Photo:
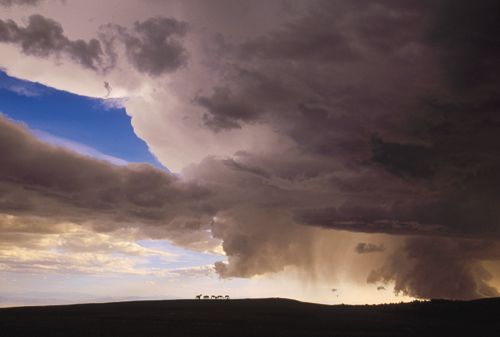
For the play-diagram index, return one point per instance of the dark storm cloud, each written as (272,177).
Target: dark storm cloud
(467,211)
(44,37)
(466,35)
(154,46)
(440,268)
(318,78)
(263,68)
(225,111)
(411,156)
(9,3)
(313,39)
(414,160)
(373,91)
(395,219)
(364,248)
(239,166)
(45,182)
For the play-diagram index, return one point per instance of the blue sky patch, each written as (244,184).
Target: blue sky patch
(182,258)
(86,125)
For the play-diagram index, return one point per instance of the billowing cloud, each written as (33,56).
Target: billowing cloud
(43,37)
(440,268)
(153,46)
(224,110)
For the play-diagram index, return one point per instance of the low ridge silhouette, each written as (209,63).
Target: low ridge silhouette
(254,317)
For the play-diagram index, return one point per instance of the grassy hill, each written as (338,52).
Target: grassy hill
(253,317)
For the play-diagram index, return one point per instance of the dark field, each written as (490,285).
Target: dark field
(258,317)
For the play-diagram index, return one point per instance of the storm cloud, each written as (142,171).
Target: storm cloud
(407,156)
(74,197)
(399,147)
(379,119)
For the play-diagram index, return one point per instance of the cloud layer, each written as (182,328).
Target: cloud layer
(66,186)
(9,3)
